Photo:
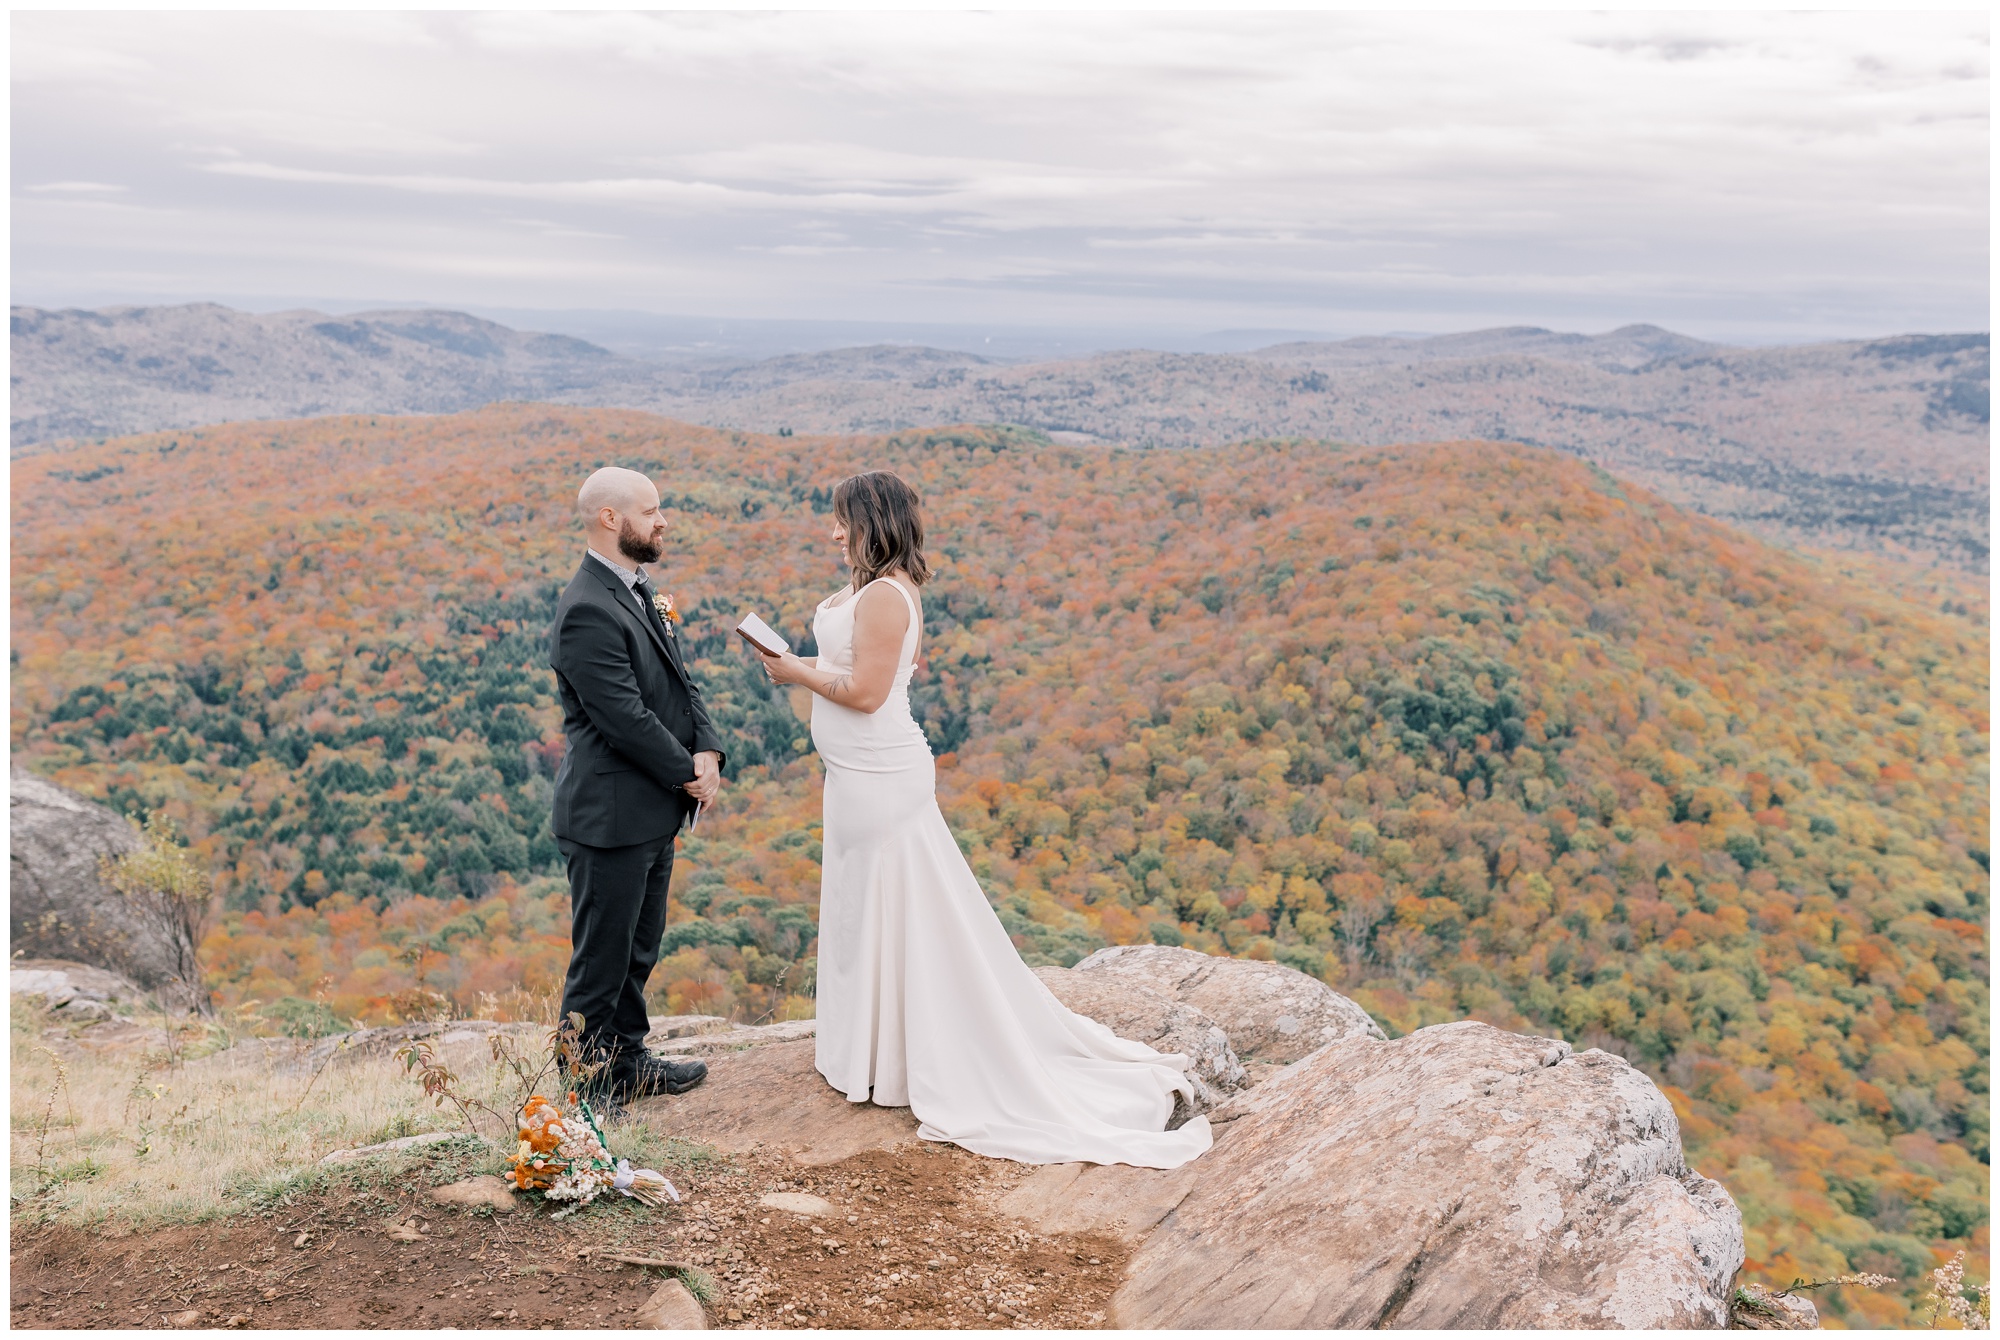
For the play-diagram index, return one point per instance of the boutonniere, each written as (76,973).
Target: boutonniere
(663,601)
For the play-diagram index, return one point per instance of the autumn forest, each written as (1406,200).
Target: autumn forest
(1464,729)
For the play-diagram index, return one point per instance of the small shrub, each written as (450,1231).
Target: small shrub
(298,1018)
(171,896)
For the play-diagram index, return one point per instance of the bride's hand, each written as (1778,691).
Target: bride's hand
(785,669)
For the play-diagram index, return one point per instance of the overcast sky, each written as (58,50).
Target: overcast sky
(1755,177)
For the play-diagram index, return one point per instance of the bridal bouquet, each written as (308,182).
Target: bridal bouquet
(564,1158)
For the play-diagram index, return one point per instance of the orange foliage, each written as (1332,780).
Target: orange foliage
(1466,729)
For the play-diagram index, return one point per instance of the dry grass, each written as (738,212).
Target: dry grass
(152,1133)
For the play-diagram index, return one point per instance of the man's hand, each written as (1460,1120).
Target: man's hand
(707,777)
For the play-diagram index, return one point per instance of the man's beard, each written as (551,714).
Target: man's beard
(639,548)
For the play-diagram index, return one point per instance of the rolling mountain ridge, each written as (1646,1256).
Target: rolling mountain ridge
(90,373)
(1876,445)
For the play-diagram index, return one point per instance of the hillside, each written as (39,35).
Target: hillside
(1876,446)
(1464,729)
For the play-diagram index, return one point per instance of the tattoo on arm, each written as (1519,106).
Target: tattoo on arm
(836,686)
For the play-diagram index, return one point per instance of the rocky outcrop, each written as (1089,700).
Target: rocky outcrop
(59,906)
(1140,1014)
(1270,1012)
(391,1038)
(669,1037)
(1460,1177)
(666,1027)
(76,992)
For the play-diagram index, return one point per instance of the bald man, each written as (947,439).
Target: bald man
(642,755)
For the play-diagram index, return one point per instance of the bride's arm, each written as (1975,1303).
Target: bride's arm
(880,621)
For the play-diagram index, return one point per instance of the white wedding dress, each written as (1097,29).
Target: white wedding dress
(922,998)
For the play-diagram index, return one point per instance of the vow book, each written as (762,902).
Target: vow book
(759,635)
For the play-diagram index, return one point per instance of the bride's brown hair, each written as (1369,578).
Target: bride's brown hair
(885,526)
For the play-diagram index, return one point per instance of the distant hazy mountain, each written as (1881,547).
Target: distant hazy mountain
(1878,444)
(664,338)
(1627,347)
(130,369)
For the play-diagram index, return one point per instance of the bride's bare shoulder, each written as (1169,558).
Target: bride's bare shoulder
(896,579)
(884,601)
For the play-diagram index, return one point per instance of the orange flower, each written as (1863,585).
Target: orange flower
(540,1126)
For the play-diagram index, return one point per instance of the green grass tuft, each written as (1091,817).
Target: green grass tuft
(699,1283)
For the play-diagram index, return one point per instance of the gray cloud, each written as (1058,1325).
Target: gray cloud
(1757,176)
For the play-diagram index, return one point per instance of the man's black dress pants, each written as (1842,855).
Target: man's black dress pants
(618,911)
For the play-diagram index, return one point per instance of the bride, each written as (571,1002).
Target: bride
(922,1000)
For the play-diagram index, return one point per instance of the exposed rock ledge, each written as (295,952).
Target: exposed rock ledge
(1458,1177)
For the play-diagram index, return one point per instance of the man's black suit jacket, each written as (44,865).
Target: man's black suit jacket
(634,718)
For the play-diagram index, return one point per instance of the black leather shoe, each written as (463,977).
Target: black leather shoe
(662,1074)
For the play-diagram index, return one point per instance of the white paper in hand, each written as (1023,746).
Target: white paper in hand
(759,635)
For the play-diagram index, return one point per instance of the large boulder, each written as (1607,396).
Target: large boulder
(1136,1012)
(1269,1011)
(59,906)
(1460,1177)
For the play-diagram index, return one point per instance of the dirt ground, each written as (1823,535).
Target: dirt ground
(911,1243)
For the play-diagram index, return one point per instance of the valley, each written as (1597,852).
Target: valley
(1466,729)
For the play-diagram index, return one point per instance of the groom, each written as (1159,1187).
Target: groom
(641,757)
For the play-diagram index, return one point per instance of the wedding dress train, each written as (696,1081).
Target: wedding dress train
(923,1000)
